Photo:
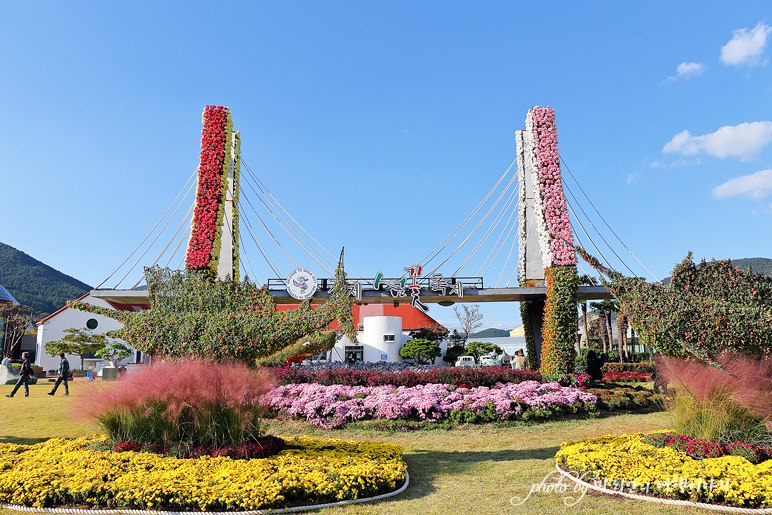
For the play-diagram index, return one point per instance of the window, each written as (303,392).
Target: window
(92,323)
(388,337)
(353,353)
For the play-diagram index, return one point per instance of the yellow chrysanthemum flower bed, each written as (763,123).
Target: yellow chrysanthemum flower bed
(62,472)
(624,462)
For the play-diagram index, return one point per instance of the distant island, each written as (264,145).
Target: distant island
(35,284)
(491,333)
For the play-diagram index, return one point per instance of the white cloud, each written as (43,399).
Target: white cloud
(633,177)
(756,186)
(687,71)
(746,46)
(744,141)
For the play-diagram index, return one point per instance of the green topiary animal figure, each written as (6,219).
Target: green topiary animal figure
(191,315)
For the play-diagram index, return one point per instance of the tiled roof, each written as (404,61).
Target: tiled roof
(5,295)
(412,318)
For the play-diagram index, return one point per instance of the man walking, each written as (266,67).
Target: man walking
(25,371)
(64,375)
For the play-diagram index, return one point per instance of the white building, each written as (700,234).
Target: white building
(382,330)
(52,328)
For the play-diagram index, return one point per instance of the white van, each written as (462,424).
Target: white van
(465,361)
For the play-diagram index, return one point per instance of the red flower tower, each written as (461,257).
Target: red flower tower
(213,245)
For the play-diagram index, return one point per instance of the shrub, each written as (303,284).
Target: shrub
(641,368)
(700,448)
(420,350)
(194,402)
(624,398)
(468,376)
(626,377)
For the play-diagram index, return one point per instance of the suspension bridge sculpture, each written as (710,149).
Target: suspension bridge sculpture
(546,269)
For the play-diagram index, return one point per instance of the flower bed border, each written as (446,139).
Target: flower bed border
(295,509)
(660,500)
(323,453)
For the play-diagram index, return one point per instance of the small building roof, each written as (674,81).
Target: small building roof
(412,318)
(5,295)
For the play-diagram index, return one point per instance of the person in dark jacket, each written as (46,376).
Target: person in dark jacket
(594,364)
(24,372)
(64,375)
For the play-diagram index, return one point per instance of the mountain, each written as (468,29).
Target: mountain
(761,266)
(491,333)
(35,284)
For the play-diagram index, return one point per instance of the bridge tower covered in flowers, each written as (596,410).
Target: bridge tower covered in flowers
(547,256)
(214,239)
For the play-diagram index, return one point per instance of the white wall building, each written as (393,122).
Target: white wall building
(52,328)
(382,330)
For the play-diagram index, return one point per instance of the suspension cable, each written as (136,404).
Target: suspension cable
(509,255)
(282,225)
(484,218)
(493,225)
(151,230)
(274,202)
(260,247)
(596,230)
(174,236)
(269,232)
(503,242)
(257,179)
(512,212)
(604,221)
(249,264)
(151,243)
(443,245)
(182,238)
(585,233)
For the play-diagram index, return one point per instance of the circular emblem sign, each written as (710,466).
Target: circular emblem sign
(301,284)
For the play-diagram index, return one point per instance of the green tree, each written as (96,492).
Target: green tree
(114,351)
(477,349)
(453,352)
(420,350)
(77,341)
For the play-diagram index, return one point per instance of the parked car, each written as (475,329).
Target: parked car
(465,361)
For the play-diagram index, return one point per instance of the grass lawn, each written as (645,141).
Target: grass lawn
(470,470)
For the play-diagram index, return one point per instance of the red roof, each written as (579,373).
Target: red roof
(128,307)
(52,315)
(116,305)
(412,318)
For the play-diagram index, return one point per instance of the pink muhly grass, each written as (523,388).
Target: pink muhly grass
(189,397)
(723,406)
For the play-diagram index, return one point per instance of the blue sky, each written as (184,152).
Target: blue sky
(380,125)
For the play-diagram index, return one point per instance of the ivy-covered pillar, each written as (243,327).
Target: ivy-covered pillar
(544,218)
(532,315)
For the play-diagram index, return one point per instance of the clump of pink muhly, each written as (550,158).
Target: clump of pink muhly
(189,391)
(749,385)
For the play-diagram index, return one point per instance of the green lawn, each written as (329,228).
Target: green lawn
(471,470)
